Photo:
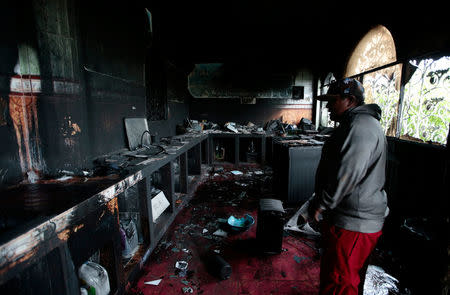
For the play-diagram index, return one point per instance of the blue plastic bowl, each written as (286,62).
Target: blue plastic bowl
(240,224)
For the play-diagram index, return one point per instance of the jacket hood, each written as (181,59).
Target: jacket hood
(372,109)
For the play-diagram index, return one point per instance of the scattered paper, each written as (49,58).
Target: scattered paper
(231,127)
(181,265)
(220,233)
(159,204)
(236,172)
(154,283)
(65,177)
(68,172)
(205,230)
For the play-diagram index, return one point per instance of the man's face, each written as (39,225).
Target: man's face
(337,105)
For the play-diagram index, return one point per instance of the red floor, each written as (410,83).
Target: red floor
(294,271)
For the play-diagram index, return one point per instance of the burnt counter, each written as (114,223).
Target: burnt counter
(48,229)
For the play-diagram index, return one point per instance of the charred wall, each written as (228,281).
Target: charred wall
(231,110)
(254,92)
(71,72)
(178,98)
(9,28)
(113,52)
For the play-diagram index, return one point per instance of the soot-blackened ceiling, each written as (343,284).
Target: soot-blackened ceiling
(313,33)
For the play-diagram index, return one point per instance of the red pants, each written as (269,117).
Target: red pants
(344,259)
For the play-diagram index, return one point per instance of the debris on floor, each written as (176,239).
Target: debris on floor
(378,282)
(188,290)
(220,233)
(295,270)
(218,267)
(241,224)
(153,283)
(249,272)
(181,266)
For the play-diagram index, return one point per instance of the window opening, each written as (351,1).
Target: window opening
(426,102)
(423,114)
(375,49)
(383,88)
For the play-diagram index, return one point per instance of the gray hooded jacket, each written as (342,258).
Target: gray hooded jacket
(351,172)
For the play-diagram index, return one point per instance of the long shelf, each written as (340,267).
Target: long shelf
(92,201)
(86,211)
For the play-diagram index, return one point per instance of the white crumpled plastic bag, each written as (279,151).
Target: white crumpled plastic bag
(378,282)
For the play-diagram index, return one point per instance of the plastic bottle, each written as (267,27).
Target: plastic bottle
(95,276)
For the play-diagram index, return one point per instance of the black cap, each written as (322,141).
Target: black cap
(345,87)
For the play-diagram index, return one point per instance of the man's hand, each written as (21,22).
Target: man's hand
(317,213)
(314,211)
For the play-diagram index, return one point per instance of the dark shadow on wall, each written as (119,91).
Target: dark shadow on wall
(177,112)
(415,234)
(156,85)
(62,104)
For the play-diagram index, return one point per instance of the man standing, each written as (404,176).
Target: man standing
(349,188)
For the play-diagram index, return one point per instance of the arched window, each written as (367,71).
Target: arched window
(377,49)
(420,110)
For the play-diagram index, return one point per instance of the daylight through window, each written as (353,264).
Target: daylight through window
(424,112)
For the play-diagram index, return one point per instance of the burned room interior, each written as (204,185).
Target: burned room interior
(166,148)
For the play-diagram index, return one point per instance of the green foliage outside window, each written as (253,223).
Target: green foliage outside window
(426,103)
(426,106)
(380,88)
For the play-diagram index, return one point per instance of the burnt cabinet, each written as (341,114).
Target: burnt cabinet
(294,170)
